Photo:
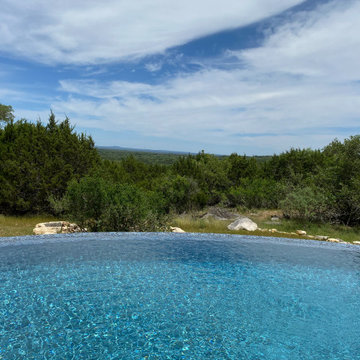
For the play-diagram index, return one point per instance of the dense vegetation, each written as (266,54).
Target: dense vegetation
(151,157)
(37,162)
(147,157)
(51,169)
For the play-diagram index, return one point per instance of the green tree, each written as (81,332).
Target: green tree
(308,203)
(241,167)
(255,193)
(37,162)
(340,178)
(180,193)
(208,171)
(6,114)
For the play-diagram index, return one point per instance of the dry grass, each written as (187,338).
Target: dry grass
(192,223)
(19,226)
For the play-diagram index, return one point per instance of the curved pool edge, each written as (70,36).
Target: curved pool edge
(166,295)
(55,238)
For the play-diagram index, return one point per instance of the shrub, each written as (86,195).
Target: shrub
(348,202)
(308,203)
(100,205)
(254,193)
(181,193)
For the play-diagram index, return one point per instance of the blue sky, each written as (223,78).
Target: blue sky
(249,76)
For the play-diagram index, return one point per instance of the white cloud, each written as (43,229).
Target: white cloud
(153,67)
(282,98)
(88,32)
(16,95)
(294,90)
(322,43)
(213,107)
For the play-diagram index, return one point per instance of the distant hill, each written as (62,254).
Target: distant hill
(148,156)
(132,150)
(160,157)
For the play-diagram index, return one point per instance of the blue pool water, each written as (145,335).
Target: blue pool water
(178,296)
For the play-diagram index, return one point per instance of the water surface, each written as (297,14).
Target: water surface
(178,296)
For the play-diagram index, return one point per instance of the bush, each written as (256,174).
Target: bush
(100,205)
(181,193)
(348,202)
(308,204)
(254,193)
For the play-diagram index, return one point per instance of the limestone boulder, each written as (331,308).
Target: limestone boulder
(321,237)
(56,227)
(175,229)
(333,240)
(243,223)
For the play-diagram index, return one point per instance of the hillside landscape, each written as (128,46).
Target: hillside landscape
(51,169)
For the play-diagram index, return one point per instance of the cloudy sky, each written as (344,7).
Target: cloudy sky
(245,76)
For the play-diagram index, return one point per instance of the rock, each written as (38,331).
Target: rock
(274,218)
(333,240)
(56,227)
(301,232)
(356,242)
(243,223)
(70,228)
(273,230)
(321,237)
(311,236)
(48,228)
(175,229)
(43,230)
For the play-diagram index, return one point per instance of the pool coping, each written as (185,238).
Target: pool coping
(56,238)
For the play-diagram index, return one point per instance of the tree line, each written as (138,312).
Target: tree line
(49,168)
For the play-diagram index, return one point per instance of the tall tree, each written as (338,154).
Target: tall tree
(6,114)
(37,162)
